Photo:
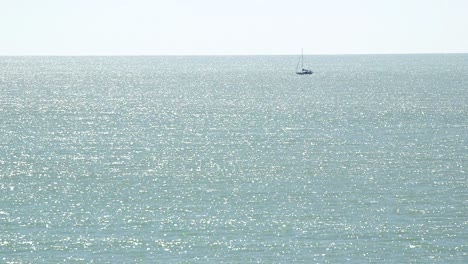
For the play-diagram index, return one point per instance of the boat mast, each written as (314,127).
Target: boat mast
(302,57)
(298,62)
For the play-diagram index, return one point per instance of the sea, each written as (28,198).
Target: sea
(234,159)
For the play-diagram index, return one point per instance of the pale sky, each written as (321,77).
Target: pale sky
(237,27)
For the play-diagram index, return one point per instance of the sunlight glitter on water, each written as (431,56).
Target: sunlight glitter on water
(128,160)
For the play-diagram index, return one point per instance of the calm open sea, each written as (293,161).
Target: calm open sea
(234,159)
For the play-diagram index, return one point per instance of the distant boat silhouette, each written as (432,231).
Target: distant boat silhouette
(303,71)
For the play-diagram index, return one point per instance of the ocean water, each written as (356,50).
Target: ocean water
(234,159)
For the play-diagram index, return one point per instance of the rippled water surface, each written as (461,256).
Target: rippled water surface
(234,159)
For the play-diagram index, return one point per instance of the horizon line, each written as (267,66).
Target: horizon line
(227,55)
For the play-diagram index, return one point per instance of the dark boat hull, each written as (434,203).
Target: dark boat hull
(304,73)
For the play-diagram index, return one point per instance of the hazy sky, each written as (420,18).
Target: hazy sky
(184,27)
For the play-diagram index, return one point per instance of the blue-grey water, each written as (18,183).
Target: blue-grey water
(234,159)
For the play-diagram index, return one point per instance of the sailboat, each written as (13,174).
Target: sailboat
(303,71)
